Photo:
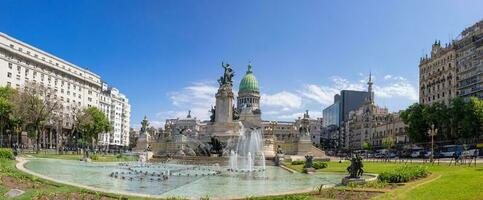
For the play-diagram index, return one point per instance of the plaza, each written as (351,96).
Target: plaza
(255,100)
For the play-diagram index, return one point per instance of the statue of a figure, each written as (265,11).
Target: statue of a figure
(181,131)
(308,161)
(144,125)
(167,129)
(236,114)
(356,168)
(306,114)
(212,116)
(279,150)
(227,76)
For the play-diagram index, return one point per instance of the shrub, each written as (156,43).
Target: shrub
(6,153)
(298,162)
(119,156)
(319,165)
(94,157)
(403,174)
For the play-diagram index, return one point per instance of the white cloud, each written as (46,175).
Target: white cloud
(390,87)
(296,115)
(321,94)
(340,83)
(198,94)
(288,105)
(284,100)
(198,97)
(397,89)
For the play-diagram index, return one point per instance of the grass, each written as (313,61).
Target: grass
(445,182)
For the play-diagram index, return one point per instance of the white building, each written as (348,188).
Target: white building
(117,109)
(75,86)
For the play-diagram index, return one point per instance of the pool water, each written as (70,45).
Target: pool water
(175,180)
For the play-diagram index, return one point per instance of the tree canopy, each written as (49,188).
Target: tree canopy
(459,121)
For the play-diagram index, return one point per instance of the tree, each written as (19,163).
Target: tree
(37,105)
(91,123)
(366,146)
(439,115)
(6,109)
(417,125)
(388,142)
(478,110)
(472,125)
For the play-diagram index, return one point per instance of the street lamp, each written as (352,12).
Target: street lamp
(432,132)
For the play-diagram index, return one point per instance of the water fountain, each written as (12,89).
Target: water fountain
(248,155)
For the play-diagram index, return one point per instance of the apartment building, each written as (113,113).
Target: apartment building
(74,86)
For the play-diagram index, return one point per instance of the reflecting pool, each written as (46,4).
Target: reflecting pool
(175,180)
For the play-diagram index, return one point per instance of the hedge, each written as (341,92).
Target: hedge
(6,153)
(298,162)
(319,165)
(403,174)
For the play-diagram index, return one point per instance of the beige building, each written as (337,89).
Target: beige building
(393,128)
(371,124)
(454,70)
(437,75)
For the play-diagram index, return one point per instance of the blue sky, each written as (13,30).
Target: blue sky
(166,55)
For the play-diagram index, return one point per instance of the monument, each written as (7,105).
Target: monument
(355,171)
(144,136)
(229,121)
(222,124)
(143,146)
(304,145)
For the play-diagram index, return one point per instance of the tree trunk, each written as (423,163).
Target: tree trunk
(1,134)
(37,139)
(57,141)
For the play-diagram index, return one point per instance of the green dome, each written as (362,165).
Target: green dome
(249,82)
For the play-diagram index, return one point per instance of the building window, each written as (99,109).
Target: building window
(9,75)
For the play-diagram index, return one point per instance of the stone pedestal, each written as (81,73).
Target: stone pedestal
(224,130)
(309,170)
(224,105)
(346,180)
(269,148)
(304,146)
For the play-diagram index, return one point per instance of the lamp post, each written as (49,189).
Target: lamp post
(432,132)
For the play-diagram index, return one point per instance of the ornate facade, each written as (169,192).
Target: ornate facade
(453,70)
(371,124)
(227,119)
(437,75)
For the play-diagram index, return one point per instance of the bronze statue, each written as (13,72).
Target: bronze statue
(236,114)
(279,150)
(212,116)
(356,168)
(144,125)
(227,76)
(308,161)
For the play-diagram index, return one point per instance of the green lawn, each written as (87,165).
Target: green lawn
(445,182)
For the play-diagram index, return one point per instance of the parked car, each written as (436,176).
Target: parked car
(470,152)
(392,154)
(428,153)
(448,151)
(416,153)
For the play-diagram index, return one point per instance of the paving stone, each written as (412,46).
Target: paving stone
(14,193)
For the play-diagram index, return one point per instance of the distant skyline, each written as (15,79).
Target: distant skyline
(166,55)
